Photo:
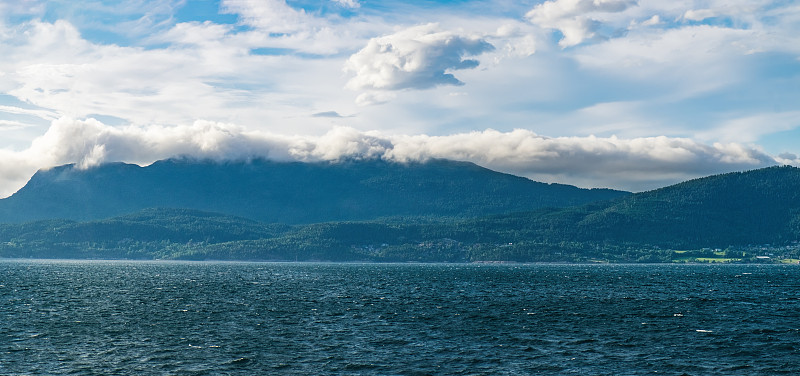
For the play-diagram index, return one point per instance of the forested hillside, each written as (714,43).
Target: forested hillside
(287,192)
(760,206)
(748,216)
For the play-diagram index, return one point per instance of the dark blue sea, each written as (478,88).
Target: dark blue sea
(215,318)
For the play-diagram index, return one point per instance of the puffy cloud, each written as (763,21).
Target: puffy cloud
(419,57)
(15,170)
(634,164)
(340,143)
(575,19)
(90,142)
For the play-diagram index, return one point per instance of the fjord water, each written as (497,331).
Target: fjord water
(168,318)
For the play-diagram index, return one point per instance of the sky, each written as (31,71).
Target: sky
(626,94)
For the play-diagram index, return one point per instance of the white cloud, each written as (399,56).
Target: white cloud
(18,7)
(42,114)
(752,128)
(15,170)
(652,21)
(577,20)
(653,68)
(208,71)
(517,40)
(419,57)
(636,163)
(694,59)
(274,16)
(340,143)
(10,124)
(278,25)
(699,14)
(135,18)
(348,3)
(374,97)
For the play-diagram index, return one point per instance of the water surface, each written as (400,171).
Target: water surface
(170,318)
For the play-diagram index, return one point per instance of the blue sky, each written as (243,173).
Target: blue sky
(597,93)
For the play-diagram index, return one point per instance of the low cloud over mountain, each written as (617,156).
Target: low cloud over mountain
(622,163)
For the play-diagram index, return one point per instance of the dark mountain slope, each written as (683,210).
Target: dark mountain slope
(739,211)
(287,192)
(753,207)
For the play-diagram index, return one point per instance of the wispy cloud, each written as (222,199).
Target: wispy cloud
(577,20)
(348,3)
(273,16)
(328,114)
(8,124)
(42,114)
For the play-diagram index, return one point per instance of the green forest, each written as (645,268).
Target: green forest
(749,216)
(738,217)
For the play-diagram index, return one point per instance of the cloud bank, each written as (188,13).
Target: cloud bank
(631,164)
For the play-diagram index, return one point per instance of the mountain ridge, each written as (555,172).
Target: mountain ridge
(286,192)
(748,216)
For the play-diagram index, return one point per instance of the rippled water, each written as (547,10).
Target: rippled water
(164,318)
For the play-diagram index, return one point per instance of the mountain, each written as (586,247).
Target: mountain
(735,209)
(286,192)
(737,213)
(754,207)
